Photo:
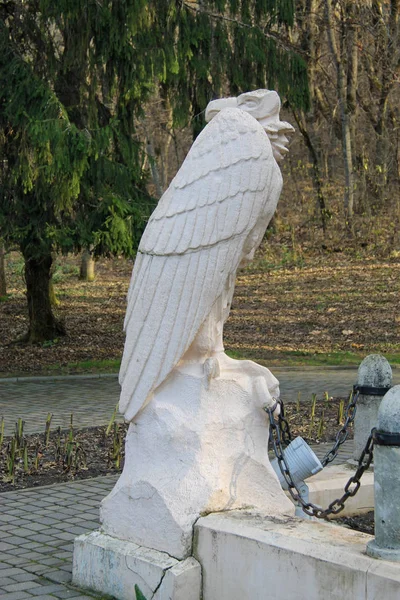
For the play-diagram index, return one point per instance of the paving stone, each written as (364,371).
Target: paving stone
(48,588)
(66,536)
(36,568)
(87,524)
(16,540)
(46,550)
(37,525)
(74,530)
(67,566)
(21,586)
(26,545)
(69,547)
(11,571)
(67,512)
(91,503)
(31,555)
(56,543)
(59,576)
(22,531)
(6,581)
(15,560)
(53,561)
(17,512)
(64,555)
(25,577)
(15,596)
(77,521)
(41,537)
(62,526)
(7,518)
(4,547)
(43,521)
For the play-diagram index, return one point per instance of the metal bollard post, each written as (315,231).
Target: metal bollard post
(387,479)
(375,379)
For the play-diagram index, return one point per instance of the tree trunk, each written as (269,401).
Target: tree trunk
(345,117)
(86,272)
(316,170)
(155,173)
(3,284)
(54,301)
(383,149)
(42,323)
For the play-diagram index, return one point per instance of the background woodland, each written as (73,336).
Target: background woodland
(99,104)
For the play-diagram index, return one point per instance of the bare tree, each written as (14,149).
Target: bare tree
(342,42)
(3,283)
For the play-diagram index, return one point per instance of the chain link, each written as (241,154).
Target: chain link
(308,507)
(286,436)
(343,433)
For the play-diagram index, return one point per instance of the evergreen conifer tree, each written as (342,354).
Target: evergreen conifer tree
(74,75)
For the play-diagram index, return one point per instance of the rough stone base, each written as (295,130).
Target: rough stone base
(114,567)
(193,450)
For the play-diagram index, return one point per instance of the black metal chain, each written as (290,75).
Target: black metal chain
(309,508)
(341,436)
(343,432)
(286,436)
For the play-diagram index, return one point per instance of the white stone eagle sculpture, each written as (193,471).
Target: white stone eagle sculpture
(210,220)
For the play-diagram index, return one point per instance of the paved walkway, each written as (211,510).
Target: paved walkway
(37,529)
(37,526)
(92,399)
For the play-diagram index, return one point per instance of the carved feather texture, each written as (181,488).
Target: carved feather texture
(193,242)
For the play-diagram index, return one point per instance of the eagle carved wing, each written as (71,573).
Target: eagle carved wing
(192,243)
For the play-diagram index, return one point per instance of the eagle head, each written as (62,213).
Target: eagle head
(263,105)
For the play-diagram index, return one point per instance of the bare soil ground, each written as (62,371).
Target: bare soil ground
(328,309)
(364,522)
(92,452)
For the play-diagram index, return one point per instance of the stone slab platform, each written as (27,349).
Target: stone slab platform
(115,567)
(328,485)
(255,556)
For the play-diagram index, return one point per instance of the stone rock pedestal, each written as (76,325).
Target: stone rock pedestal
(193,450)
(114,567)
(199,446)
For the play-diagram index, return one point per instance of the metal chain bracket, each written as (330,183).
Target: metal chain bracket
(350,489)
